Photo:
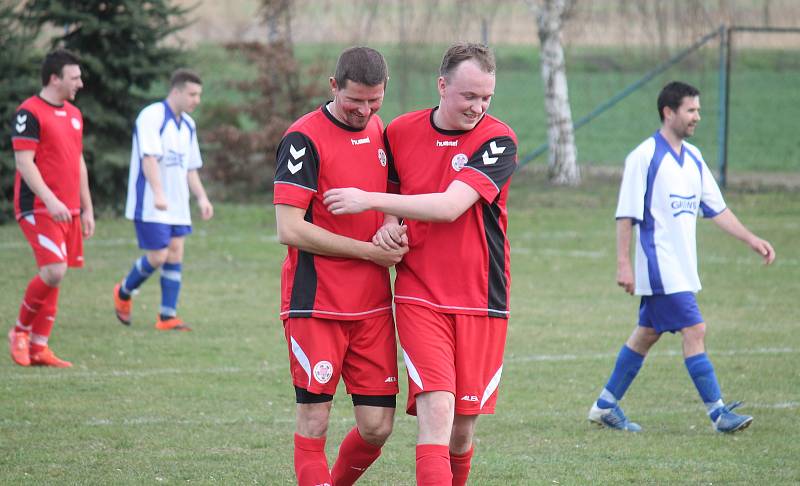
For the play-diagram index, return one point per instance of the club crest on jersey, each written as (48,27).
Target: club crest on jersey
(382,157)
(459,161)
(76,124)
(323,371)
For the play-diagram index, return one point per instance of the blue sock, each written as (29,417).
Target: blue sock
(170,289)
(705,380)
(140,270)
(625,370)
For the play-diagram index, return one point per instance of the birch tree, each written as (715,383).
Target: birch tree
(562,161)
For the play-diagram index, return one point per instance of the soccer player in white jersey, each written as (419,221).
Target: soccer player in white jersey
(165,159)
(665,184)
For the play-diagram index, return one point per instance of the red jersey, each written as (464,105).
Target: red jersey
(461,267)
(55,134)
(318,153)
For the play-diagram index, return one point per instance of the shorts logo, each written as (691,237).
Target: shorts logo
(469,398)
(323,371)
(75,123)
(459,161)
(382,157)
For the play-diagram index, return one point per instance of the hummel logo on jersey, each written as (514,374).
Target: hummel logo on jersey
(296,154)
(359,141)
(21,123)
(495,151)
(59,113)
(469,398)
(447,143)
(391,379)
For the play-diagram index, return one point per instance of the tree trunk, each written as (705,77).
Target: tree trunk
(562,163)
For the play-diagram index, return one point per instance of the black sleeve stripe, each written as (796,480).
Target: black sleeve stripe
(496,159)
(297,161)
(392,176)
(25,125)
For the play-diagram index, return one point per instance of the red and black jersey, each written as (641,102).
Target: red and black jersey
(55,134)
(318,153)
(461,267)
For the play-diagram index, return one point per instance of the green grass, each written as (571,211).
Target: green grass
(762,86)
(216,405)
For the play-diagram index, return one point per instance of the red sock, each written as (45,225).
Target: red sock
(460,465)
(355,456)
(310,463)
(32,302)
(43,323)
(433,465)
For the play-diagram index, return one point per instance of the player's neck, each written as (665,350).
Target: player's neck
(51,96)
(174,107)
(332,108)
(672,139)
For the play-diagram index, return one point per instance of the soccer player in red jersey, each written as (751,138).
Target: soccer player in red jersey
(335,291)
(453,164)
(52,203)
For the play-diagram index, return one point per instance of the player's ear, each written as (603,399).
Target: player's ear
(334,85)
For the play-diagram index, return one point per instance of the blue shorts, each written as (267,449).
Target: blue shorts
(156,236)
(670,312)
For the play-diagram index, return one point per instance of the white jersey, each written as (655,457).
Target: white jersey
(173,142)
(663,192)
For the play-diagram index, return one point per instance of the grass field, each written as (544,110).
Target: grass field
(216,405)
(762,90)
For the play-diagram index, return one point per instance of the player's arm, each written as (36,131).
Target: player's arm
(153,176)
(33,178)
(196,186)
(295,231)
(624,268)
(87,209)
(435,207)
(731,225)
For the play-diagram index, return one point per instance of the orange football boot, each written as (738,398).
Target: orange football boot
(18,344)
(122,307)
(46,357)
(171,324)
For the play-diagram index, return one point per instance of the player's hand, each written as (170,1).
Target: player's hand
(160,202)
(58,210)
(87,222)
(625,276)
(206,209)
(347,200)
(763,248)
(386,258)
(391,236)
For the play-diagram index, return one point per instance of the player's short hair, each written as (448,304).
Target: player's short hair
(182,76)
(362,65)
(673,94)
(54,63)
(465,51)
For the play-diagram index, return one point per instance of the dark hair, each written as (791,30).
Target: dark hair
(464,51)
(672,95)
(183,76)
(361,65)
(54,63)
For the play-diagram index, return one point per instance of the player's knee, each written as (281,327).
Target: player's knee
(695,334)
(376,432)
(313,412)
(52,275)
(157,258)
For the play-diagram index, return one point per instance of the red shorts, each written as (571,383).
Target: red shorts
(461,354)
(364,352)
(54,241)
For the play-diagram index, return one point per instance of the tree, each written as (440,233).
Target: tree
(120,44)
(562,162)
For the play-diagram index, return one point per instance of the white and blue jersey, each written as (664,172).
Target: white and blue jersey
(663,192)
(173,142)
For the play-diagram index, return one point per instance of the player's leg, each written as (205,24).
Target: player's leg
(40,353)
(429,342)
(153,238)
(369,370)
(171,283)
(705,380)
(480,344)
(316,350)
(606,410)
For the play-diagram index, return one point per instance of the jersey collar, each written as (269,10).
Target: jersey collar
(452,132)
(678,158)
(336,121)
(170,115)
